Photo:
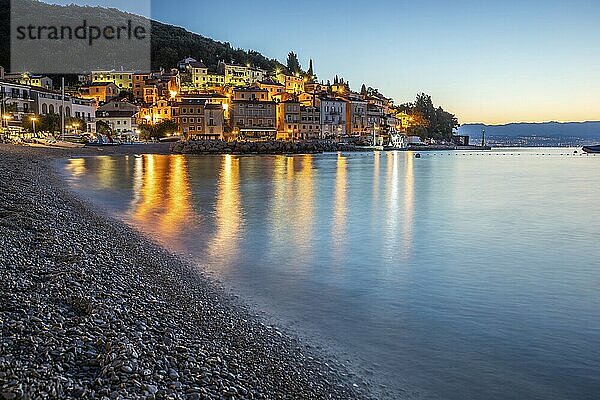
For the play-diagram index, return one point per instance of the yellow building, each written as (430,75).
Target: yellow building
(156,113)
(273,87)
(227,74)
(123,79)
(309,99)
(236,75)
(404,121)
(35,80)
(293,83)
(288,120)
(202,78)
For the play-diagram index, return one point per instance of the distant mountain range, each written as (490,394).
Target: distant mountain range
(536,134)
(589,129)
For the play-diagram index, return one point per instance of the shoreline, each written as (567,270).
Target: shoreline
(90,308)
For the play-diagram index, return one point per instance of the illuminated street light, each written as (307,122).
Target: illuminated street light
(33,120)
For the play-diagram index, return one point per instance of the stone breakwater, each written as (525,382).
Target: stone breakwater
(90,309)
(269,147)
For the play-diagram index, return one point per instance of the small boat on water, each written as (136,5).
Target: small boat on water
(53,142)
(592,149)
(370,148)
(396,142)
(103,140)
(171,139)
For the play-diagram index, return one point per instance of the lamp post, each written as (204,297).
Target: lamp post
(6,118)
(33,119)
(2,107)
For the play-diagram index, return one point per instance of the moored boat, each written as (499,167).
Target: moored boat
(592,149)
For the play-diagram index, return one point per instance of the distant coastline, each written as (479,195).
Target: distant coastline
(546,134)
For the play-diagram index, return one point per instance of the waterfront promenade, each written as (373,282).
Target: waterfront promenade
(90,309)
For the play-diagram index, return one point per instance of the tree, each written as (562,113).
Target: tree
(310,74)
(157,131)
(103,128)
(293,65)
(50,123)
(427,120)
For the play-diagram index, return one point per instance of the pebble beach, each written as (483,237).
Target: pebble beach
(91,309)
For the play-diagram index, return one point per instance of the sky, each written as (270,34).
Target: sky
(486,61)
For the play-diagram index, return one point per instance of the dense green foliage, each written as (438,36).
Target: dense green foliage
(157,131)
(5,33)
(170,44)
(429,121)
(49,123)
(103,128)
(293,65)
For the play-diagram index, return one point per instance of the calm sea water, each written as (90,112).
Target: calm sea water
(454,276)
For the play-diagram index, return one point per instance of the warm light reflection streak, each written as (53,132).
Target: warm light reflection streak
(339,204)
(224,246)
(164,197)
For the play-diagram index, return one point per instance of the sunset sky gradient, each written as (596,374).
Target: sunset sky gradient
(491,62)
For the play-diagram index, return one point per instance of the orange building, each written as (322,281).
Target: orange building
(101,92)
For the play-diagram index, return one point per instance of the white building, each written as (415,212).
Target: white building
(333,117)
(120,116)
(16,100)
(20,101)
(258,75)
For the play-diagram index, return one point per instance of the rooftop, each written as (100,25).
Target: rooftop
(93,84)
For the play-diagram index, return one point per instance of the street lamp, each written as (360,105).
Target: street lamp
(6,118)
(33,120)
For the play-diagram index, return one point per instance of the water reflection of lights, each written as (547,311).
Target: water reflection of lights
(392,214)
(340,204)
(107,178)
(76,169)
(224,246)
(282,195)
(305,208)
(375,198)
(163,195)
(409,205)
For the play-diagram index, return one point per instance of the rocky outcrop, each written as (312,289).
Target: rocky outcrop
(268,147)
